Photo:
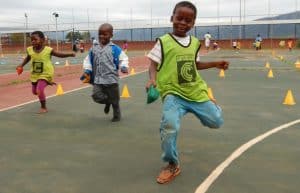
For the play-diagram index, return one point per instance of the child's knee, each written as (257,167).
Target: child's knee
(216,124)
(214,121)
(169,123)
(100,97)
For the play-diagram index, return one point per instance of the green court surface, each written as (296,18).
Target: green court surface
(76,149)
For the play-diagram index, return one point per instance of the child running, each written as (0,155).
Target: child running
(101,69)
(173,69)
(41,69)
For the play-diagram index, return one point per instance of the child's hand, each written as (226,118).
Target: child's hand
(85,78)
(222,65)
(73,54)
(149,83)
(19,69)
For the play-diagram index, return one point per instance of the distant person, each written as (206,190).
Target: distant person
(76,45)
(234,44)
(215,45)
(41,70)
(101,69)
(290,44)
(81,47)
(258,42)
(125,46)
(207,38)
(238,45)
(95,42)
(173,70)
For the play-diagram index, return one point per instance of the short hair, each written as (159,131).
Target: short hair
(39,33)
(185,4)
(107,25)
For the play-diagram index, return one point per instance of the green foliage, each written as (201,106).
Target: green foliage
(18,38)
(74,35)
(86,36)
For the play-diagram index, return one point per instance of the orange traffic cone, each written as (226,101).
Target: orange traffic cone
(222,73)
(267,65)
(297,64)
(289,99)
(132,72)
(67,63)
(59,90)
(270,74)
(125,92)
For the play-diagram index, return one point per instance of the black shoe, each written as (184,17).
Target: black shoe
(116,119)
(106,108)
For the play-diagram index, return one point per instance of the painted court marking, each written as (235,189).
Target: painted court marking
(36,100)
(202,188)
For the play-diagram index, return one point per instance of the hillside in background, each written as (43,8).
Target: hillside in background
(286,16)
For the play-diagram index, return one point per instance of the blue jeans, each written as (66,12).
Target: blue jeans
(174,108)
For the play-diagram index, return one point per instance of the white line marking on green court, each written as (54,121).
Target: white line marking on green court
(203,187)
(36,100)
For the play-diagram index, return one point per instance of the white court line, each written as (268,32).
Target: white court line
(202,188)
(36,100)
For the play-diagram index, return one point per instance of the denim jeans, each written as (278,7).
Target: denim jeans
(174,108)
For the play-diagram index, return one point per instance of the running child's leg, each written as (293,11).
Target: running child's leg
(40,89)
(208,112)
(172,113)
(33,88)
(114,98)
(169,128)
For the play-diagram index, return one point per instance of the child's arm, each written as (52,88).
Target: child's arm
(218,64)
(123,59)
(19,68)
(152,75)
(25,61)
(62,55)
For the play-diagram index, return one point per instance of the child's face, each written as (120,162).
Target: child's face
(104,35)
(36,41)
(183,20)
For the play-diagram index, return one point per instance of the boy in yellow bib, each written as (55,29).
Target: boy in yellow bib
(173,70)
(41,69)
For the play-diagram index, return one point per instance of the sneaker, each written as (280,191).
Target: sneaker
(106,108)
(116,119)
(168,173)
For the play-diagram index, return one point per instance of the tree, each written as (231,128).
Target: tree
(71,36)
(86,36)
(17,38)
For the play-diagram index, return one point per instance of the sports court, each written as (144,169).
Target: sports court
(76,149)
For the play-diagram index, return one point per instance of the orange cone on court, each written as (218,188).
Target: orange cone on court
(125,92)
(273,53)
(297,64)
(59,90)
(270,74)
(67,63)
(289,98)
(222,73)
(210,94)
(267,65)
(132,71)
